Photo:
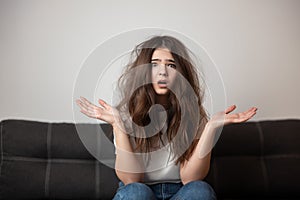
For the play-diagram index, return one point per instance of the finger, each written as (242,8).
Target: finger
(91,112)
(88,105)
(252,115)
(88,108)
(104,104)
(78,102)
(87,102)
(84,102)
(248,112)
(252,109)
(251,112)
(87,113)
(82,105)
(84,108)
(230,109)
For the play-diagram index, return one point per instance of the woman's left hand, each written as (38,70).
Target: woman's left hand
(226,117)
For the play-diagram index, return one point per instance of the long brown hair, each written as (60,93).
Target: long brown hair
(185,114)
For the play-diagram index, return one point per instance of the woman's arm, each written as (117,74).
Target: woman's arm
(197,167)
(127,166)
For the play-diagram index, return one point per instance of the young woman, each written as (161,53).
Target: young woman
(162,134)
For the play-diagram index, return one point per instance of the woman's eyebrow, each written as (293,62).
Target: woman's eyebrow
(159,60)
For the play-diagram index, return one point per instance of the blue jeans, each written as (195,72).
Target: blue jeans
(163,191)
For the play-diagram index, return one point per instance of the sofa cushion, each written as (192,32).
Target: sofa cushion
(256,160)
(48,160)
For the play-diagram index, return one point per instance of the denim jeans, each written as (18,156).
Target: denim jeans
(163,191)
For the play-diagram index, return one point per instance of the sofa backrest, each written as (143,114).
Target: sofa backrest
(48,160)
(257,160)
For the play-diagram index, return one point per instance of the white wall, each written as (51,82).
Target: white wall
(255,45)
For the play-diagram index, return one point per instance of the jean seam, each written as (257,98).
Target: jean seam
(163,191)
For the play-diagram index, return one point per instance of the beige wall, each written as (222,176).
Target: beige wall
(255,45)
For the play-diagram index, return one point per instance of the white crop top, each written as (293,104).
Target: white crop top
(159,167)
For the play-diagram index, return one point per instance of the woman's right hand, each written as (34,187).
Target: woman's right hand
(103,112)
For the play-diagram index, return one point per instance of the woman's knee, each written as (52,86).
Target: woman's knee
(134,191)
(197,190)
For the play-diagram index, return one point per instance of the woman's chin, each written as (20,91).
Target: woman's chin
(162,91)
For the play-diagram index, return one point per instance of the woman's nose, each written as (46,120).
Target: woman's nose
(163,70)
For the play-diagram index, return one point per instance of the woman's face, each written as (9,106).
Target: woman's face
(163,70)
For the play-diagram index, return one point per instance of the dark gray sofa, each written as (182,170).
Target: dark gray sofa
(40,160)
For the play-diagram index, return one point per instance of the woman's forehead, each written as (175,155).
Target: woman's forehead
(160,53)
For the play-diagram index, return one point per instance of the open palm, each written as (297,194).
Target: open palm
(103,112)
(226,117)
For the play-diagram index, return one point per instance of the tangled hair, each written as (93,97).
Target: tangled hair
(186,116)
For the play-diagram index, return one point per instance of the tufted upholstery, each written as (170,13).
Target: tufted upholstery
(48,160)
(257,160)
(42,160)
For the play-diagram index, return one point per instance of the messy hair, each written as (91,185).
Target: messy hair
(186,115)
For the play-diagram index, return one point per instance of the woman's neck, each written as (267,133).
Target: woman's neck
(162,100)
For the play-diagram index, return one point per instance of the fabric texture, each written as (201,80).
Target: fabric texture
(165,191)
(48,160)
(159,166)
(40,160)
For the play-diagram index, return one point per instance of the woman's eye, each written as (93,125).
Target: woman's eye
(154,64)
(172,65)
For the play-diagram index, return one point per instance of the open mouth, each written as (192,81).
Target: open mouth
(162,83)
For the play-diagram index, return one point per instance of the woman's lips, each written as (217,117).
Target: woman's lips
(162,83)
